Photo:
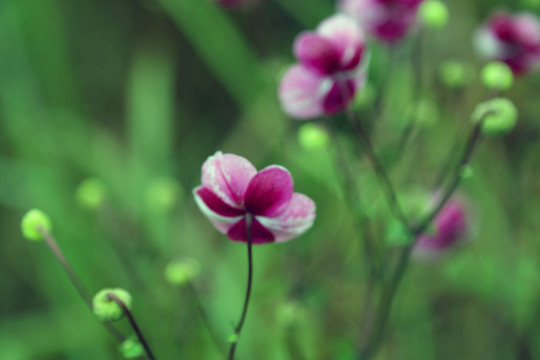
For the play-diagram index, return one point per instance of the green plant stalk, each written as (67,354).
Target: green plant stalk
(238,328)
(133,324)
(388,295)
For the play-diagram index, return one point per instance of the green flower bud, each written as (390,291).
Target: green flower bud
(106,309)
(455,74)
(312,136)
(131,348)
(163,194)
(434,13)
(91,193)
(31,222)
(180,272)
(499,116)
(497,75)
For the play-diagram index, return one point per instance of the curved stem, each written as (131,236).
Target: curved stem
(133,324)
(384,179)
(383,312)
(57,252)
(238,328)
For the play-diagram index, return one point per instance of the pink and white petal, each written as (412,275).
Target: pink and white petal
(294,221)
(222,223)
(215,204)
(227,176)
(527,29)
(259,234)
(301,91)
(269,192)
(345,34)
(317,53)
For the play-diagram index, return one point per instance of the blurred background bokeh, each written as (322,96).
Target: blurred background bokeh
(135,95)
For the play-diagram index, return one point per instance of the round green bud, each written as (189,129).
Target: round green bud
(180,272)
(163,194)
(455,74)
(313,136)
(91,193)
(131,348)
(498,116)
(32,221)
(497,75)
(434,13)
(106,309)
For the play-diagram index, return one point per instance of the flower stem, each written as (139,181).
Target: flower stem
(384,179)
(57,252)
(238,328)
(133,324)
(388,295)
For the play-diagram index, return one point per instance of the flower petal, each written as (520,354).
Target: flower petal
(301,92)
(215,204)
(269,192)
(222,223)
(346,36)
(259,234)
(316,53)
(227,176)
(335,101)
(294,221)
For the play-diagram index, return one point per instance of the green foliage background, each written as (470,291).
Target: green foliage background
(133,91)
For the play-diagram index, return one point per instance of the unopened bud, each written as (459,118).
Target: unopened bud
(106,308)
(498,116)
(32,221)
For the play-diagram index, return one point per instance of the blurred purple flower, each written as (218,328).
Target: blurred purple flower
(330,69)
(451,226)
(513,39)
(386,20)
(232,187)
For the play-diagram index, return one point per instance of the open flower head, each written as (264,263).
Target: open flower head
(512,39)
(386,20)
(232,188)
(330,69)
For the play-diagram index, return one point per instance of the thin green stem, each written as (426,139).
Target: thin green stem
(384,179)
(238,328)
(133,324)
(388,295)
(57,252)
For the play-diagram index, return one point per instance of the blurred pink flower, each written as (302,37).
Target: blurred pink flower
(330,69)
(451,227)
(387,20)
(513,39)
(232,187)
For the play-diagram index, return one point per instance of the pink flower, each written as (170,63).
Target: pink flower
(329,72)
(451,226)
(513,39)
(231,188)
(386,20)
